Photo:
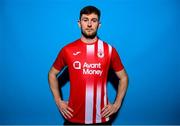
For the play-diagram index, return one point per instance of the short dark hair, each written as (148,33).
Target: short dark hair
(90,10)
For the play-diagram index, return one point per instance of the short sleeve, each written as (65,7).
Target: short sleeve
(60,62)
(115,62)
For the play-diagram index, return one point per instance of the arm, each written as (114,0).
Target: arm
(54,86)
(53,83)
(122,87)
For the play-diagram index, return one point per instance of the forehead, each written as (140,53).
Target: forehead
(90,16)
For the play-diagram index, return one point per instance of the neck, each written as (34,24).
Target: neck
(88,40)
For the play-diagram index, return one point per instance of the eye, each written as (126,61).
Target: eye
(94,20)
(85,20)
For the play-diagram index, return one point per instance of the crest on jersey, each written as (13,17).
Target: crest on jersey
(100,53)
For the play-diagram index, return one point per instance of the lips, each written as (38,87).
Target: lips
(89,30)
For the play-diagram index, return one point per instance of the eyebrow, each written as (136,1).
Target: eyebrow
(88,18)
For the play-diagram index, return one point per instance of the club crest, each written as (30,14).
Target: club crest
(100,54)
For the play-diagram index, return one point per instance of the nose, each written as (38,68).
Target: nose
(89,24)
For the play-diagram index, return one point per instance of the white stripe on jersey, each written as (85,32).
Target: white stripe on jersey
(89,90)
(100,47)
(90,50)
(110,50)
(89,104)
(98,104)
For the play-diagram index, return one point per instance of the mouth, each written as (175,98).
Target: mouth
(89,30)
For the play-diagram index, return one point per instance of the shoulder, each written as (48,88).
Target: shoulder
(71,45)
(110,48)
(107,44)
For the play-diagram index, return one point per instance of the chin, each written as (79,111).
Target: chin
(89,35)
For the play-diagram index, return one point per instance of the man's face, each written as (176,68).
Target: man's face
(89,25)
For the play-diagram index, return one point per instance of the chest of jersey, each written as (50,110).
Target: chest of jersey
(89,60)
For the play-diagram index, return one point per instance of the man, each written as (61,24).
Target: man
(88,60)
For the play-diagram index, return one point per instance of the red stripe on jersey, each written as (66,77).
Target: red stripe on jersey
(102,97)
(94,101)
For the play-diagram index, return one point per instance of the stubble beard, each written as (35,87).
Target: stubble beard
(91,36)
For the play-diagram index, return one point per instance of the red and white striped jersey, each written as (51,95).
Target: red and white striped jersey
(88,66)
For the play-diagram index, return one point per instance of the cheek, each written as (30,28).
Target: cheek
(83,25)
(95,26)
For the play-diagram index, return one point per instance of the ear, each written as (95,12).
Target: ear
(79,23)
(99,25)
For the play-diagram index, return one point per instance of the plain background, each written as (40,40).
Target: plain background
(144,32)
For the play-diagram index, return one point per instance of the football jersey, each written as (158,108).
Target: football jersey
(88,66)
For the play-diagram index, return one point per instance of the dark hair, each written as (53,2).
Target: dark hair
(90,10)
